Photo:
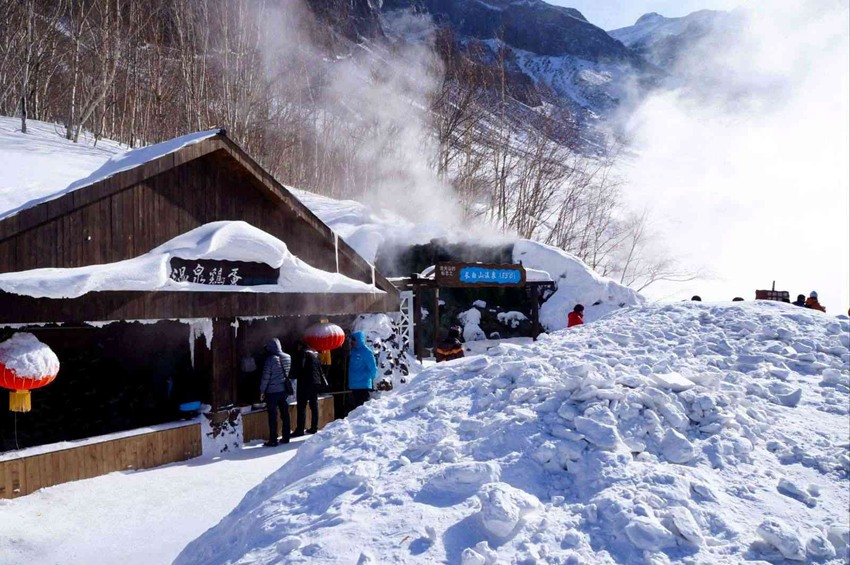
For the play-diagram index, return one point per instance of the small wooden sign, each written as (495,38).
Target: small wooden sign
(222,273)
(461,275)
(776,295)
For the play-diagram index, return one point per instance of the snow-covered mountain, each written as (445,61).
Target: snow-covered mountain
(689,433)
(571,62)
(661,40)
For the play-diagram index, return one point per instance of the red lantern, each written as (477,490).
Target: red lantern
(25,364)
(323,337)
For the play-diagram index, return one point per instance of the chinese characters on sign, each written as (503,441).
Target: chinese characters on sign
(222,273)
(477,274)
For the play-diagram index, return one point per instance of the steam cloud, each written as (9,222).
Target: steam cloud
(384,89)
(746,164)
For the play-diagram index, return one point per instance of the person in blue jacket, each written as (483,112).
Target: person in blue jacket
(362,369)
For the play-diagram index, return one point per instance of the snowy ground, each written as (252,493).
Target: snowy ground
(699,433)
(141,517)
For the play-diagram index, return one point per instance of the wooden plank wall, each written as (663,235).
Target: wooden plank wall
(171,305)
(124,224)
(19,477)
(255,425)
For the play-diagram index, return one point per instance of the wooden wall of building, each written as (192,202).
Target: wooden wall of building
(24,475)
(131,222)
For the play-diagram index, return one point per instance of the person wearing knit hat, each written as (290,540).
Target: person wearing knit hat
(812,302)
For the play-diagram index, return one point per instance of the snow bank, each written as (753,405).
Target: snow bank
(569,450)
(27,357)
(577,284)
(223,241)
(42,165)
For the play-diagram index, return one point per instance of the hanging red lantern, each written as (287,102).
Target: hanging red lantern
(25,364)
(323,337)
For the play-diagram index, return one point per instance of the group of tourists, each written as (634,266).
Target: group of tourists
(304,367)
(810,302)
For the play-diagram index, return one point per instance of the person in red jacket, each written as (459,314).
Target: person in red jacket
(812,302)
(576,317)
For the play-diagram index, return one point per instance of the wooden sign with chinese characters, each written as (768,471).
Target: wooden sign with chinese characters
(222,273)
(479,274)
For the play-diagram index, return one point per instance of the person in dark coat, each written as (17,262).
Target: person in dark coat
(576,317)
(451,347)
(801,301)
(275,388)
(362,369)
(307,372)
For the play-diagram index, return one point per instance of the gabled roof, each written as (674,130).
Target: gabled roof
(41,166)
(135,166)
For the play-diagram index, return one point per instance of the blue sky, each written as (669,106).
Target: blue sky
(612,14)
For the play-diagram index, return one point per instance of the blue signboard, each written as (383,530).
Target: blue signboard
(479,274)
(476,275)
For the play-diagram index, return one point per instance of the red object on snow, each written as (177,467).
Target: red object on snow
(324,336)
(574,319)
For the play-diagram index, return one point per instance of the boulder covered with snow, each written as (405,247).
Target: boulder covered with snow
(576,284)
(568,450)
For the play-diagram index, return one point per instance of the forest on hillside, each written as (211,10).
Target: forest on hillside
(363,105)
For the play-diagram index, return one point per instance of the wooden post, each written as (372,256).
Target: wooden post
(223,370)
(535,311)
(436,315)
(417,319)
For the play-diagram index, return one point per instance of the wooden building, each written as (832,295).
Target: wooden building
(128,356)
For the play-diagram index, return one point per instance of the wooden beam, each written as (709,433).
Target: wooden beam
(436,316)
(535,311)
(223,371)
(109,306)
(417,322)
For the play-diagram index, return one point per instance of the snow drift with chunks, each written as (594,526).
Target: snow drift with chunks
(658,433)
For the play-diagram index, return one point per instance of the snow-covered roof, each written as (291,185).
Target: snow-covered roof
(222,241)
(576,284)
(42,165)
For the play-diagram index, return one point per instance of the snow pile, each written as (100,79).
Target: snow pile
(27,357)
(222,241)
(471,322)
(42,165)
(576,284)
(656,434)
(512,319)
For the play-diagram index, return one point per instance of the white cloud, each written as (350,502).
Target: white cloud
(748,172)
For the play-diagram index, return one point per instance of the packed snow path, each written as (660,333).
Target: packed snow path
(131,518)
(689,432)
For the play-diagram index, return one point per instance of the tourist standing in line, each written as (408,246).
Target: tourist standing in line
(275,388)
(362,369)
(307,371)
